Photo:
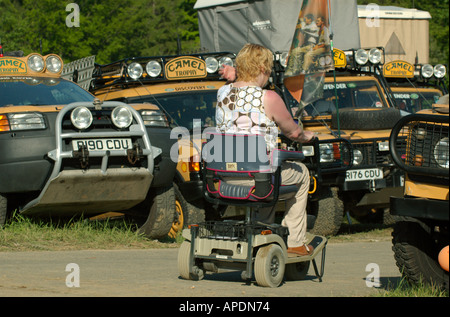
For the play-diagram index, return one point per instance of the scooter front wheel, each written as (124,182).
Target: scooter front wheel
(269,266)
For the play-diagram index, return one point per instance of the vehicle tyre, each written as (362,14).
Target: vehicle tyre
(296,271)
(183,263)
(329,211)
(416,254)
(3,209)
(186,214)
(269,266)
(366,119)
(388,218)
(161,215)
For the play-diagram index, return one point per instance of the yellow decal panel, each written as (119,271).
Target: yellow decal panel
(185,67)
(12,66)
(339,58)
(416,189)
(398,69)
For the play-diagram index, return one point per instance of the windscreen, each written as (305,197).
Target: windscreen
(183,108)
(34,91)
(348,94)
(415,101)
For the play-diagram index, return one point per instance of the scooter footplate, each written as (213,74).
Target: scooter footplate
(318,243)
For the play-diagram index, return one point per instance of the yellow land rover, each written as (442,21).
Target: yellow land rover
(420,236)
(415,87)
(185,88)
(357,105)
(65,153)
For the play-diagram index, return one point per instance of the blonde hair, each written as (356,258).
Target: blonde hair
(251,60)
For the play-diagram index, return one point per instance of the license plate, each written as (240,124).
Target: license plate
(365,174)
(102,144)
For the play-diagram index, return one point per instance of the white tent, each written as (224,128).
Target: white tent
(226,25)
(404,33)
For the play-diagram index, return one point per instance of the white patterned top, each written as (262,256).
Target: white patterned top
(241,110)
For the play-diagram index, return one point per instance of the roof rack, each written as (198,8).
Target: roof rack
(80,71)
(154,69)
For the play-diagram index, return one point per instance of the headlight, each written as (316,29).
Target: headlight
(427,70)
(420,133)
(322,61)
(54,64)
(212,65)
(375,56)
(284,58)
(326,152)
(36,63)
(121,117)
(225,61)
(153,68)
(154,118)
(361,56)
(440,153)
(439,71)
(135,70)
(308,150)
(357,157)
(26,121)
(81,118)
(383,146)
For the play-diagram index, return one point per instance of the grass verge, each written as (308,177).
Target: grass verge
(28,234)
(405,289)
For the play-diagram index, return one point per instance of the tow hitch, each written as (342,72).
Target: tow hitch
(135,154)
(83,155)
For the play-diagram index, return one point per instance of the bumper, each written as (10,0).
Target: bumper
(91,192)
(420,208)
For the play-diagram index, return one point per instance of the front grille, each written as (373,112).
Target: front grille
(375,155)
(428,145)
(368,151)
(101,122)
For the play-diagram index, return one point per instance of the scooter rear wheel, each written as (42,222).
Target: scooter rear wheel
(297,271)
(183,264)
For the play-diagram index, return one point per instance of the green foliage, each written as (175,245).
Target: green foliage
(110,30)
(113,30)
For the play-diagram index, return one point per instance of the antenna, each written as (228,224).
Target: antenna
(178,44)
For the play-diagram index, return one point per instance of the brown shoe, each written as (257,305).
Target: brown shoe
(301,250)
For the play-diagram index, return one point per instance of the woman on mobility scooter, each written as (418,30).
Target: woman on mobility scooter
(245,107)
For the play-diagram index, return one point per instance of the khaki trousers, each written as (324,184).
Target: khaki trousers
(295,215)
(295,219)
